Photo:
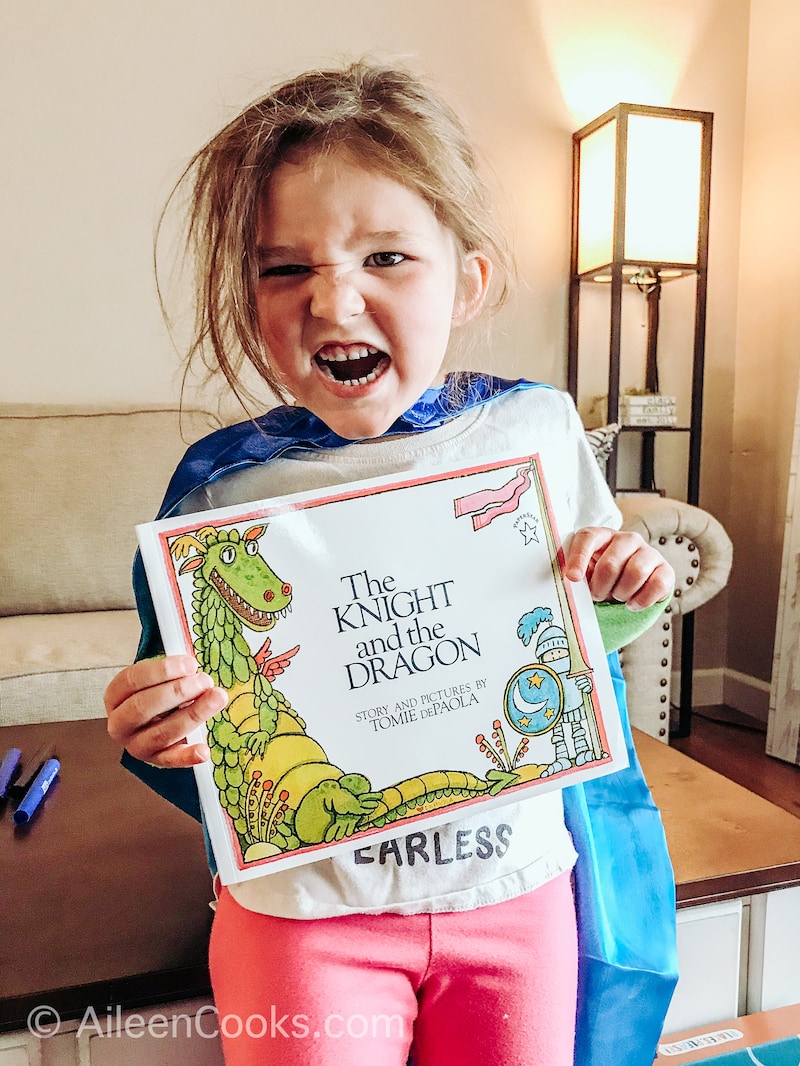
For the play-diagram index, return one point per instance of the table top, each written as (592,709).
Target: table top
(105,892)
(724,841)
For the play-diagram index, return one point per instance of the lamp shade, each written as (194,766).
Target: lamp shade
(641,187)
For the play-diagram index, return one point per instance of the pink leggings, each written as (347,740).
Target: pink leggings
(493,985)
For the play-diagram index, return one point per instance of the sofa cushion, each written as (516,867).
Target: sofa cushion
(74,484)
(55,668)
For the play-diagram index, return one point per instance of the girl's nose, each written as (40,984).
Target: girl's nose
(335,297)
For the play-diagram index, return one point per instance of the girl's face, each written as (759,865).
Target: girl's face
(359,287)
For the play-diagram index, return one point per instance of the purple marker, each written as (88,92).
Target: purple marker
(30,768)
(37,792)
(8,767)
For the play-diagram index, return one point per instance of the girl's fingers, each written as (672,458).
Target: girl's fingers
(160,739)
(147,674)
(657,587)
(643,582)
(580,558)
(179,755)
(622,566)
(154,704)
(619,565)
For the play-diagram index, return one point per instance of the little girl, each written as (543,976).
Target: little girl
(342,234)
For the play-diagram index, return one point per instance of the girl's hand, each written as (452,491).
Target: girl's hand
(152,705)
(619,565)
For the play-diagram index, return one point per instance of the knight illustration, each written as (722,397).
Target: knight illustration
(571,731)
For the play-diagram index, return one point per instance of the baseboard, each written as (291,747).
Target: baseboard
(747,694)
(708,687)
(714,687)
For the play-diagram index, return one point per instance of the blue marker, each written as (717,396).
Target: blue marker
(8,767)
(37,792)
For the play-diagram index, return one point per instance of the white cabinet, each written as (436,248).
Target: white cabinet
(19,1049)
(737,957)
(176,1034)
(162,1036)
(709,955)
(774,972)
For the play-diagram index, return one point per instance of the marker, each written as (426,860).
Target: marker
(30,768)
(37,792)
(8,767)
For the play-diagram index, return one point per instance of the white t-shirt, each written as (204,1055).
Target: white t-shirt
(505,851)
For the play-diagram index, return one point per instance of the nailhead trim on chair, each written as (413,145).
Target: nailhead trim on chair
(699,550)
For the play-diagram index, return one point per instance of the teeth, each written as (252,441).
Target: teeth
(247,612)
(337,353)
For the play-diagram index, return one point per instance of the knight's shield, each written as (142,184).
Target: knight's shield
(534,700)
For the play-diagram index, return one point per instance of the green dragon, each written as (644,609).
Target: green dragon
(276,783)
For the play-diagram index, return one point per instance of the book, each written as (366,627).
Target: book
(650,420)
(648,410)
(645,399)
(396,650)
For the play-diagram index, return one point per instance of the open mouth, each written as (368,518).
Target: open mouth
(356,364)
(250,615)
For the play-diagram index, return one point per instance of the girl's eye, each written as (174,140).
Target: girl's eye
(384,259)
(283,270)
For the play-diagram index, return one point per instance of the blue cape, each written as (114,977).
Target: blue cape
(624,887)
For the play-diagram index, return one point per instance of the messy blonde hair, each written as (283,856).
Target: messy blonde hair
(384,117)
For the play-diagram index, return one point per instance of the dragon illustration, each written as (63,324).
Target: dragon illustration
(276,783)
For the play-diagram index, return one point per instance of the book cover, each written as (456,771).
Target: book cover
(395,650)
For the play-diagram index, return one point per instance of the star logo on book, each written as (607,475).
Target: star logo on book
(529,531)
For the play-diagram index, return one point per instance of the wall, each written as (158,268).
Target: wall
(767,344)
(109,102)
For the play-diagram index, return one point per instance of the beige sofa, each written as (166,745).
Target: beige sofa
(74,484)
(77,480)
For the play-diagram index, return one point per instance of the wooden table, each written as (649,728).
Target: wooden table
(724,841)
(104,894)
